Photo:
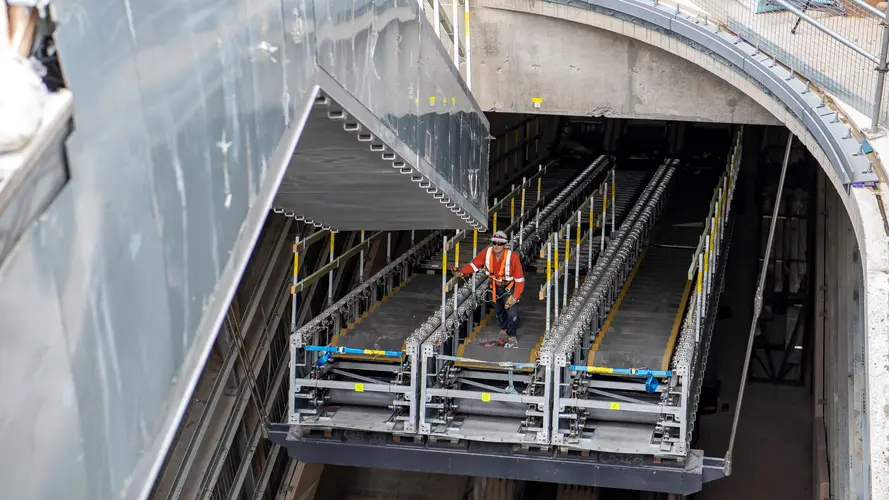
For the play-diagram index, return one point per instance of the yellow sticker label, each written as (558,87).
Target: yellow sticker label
(486,397)
(614,406)
(360,388)
(537,100)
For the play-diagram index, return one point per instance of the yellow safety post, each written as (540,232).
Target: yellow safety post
(538,188)
(474,243)
(577,253)
(605,205)
(522,210)
(589,257)
(295,266)
(613,199)
(567,263)
(556,275)
(457,254)
(512,210)
(361,260)
(444,283)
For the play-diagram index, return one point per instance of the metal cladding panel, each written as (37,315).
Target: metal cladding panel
(387,57)
(40,414)
(180,108)
(186,116)
(497,460)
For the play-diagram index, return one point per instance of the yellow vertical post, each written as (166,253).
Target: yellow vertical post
(512,210)
(613,199)
(444,282)
(522,209)
(474,243)
(539,179)
(589,257)
(295,266)
(495,222)
(457,254)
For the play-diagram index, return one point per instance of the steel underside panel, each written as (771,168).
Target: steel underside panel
(336,180)
(496,460)
(396,317)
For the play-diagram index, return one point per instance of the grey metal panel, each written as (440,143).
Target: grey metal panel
(40,418)
(31,178)
(387,56)
(144,253)
(186,115)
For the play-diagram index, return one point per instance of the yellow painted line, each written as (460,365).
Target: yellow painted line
(677,321)
(591,357)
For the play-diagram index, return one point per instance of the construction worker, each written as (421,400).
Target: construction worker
(507,284)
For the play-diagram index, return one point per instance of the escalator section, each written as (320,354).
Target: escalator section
(394,139)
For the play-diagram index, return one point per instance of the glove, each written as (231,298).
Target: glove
(511,301)
(455,271)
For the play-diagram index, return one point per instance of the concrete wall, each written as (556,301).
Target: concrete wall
(581,70)
(840,354)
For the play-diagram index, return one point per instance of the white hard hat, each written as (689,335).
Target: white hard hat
(499,237)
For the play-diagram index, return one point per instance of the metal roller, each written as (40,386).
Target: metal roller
(345,397)
(492,408)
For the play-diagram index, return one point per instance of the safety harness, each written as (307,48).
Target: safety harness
(504,275)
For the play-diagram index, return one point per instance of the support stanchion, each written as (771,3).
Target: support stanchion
(577,253)
(330,274)
(444,284)
(591,232)
(456,339)
(549,277)
(567,262)
(613,199)
(494,228)
(361,260)
(555,239)
(293,307)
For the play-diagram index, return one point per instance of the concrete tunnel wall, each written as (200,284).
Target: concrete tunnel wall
(579,71)
(525,48)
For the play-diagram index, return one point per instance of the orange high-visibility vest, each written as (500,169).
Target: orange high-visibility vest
(504,275)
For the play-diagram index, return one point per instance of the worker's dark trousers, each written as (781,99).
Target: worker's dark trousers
(508,318)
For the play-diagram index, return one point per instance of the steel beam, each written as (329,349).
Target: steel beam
(370,450)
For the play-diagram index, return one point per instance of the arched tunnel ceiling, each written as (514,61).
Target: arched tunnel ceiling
(583,71)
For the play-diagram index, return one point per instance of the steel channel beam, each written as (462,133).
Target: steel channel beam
(493,396)
(628,407)
(497,460)
(350,386)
